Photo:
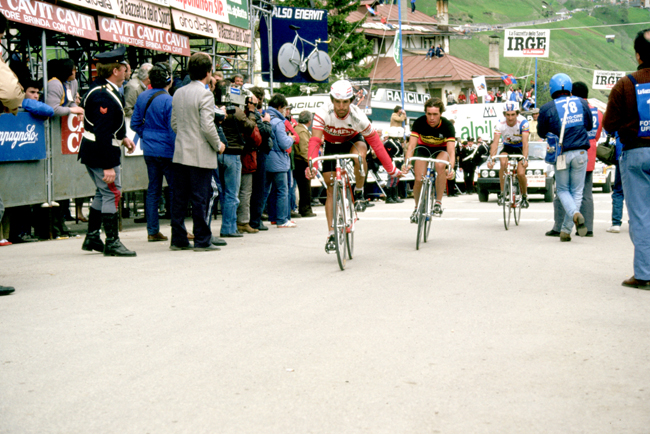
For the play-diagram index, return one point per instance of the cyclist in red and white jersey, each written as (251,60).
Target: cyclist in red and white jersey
(345,130)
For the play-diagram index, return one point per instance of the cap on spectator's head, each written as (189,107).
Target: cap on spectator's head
(114,56)
(535,110)
(512,106)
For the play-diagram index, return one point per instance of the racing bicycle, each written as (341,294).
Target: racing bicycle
(344,216)
(511,194)
(291,59)
(427,199)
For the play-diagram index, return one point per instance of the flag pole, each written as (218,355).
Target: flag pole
(401,59)
(535,82)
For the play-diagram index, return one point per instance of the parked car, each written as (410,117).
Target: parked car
(540,176)
(604,176)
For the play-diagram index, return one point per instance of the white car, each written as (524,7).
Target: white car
(603,176)
(540,175)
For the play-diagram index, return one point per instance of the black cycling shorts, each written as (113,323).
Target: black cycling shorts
(512,150)
(428,151)
(339,148)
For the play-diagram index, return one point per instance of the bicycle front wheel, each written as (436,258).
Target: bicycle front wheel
(517,204)
(507,209)
(319,65)
(432,200)
(350,213)
(339,224)
(422,212)
(289,60)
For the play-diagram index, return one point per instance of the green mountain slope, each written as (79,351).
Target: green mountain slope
(576,52)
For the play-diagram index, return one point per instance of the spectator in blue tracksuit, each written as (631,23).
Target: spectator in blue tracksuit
(278,164)
(617,191)
(571,167)
(153,125)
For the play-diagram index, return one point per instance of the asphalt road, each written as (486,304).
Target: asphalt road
(481,331)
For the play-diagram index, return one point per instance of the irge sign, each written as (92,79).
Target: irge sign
(72,127)
(526,43)
(606,79)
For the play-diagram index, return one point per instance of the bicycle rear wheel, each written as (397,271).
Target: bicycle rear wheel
(319,65)
(350,213)
(422,212)
(432,200)
(517,203)
(339,225)
(289,60)
(507,209)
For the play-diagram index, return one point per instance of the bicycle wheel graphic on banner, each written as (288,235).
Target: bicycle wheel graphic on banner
(319,65)
(289,60)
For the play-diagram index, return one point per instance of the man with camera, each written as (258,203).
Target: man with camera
(237,127)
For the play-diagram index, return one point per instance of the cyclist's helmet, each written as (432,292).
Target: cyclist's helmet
(512,106)
(342,89)
(560,82)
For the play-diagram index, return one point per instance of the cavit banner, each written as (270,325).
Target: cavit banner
(526,43)
(72,129)
(606,79)
(22,137)
(137,35)
(312,25)
(48,16)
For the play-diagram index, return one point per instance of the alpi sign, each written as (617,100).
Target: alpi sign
(526,43)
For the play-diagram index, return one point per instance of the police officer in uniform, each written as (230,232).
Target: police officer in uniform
(100,151)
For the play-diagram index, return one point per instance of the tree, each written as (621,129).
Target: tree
(347,46)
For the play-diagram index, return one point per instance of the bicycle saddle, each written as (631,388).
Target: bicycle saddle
(292,27)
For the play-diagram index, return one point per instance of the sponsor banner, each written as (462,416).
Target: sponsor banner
(233,35)
(108,7)
(48,16)
(145,13)
(526,43)
(214,9)
(124,32)
(362,95)
(190,23)
(22,137)
(606,79)
(475,120)
(395,96)
(238,13)
(312,25)
(479,86)
(72,129)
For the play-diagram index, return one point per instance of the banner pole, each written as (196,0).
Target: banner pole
(535,82)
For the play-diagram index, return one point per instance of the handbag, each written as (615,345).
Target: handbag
(554,143)
(606,152)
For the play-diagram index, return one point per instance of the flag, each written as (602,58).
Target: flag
(508,79)
(371,10)
(479,85)
(397,45)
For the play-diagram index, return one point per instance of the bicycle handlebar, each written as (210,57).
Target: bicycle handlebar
(318,41)
(509,157)
(429,160)
(339,157)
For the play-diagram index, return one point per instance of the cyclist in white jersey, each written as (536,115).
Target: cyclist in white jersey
(513,132)
(344,129)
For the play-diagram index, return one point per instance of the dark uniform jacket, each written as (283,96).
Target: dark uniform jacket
(103,119)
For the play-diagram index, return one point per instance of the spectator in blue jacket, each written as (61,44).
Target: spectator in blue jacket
(571,166)
(152,121)
(278,163)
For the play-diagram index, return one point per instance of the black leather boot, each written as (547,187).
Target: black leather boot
(390,195)
(93,241)
(396,197)
(114,246)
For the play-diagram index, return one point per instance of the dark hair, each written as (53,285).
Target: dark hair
(278,100)
(580,89)
(642,46)
(62,69)
(199,66)
(397,109)
(258,92)
(304,116)
(160,75)
(434,102)
(3,23)
(29,82)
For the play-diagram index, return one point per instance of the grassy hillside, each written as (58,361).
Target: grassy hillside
(493,11)
(576,52)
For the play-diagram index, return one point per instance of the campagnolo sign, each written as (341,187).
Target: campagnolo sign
(22,137)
